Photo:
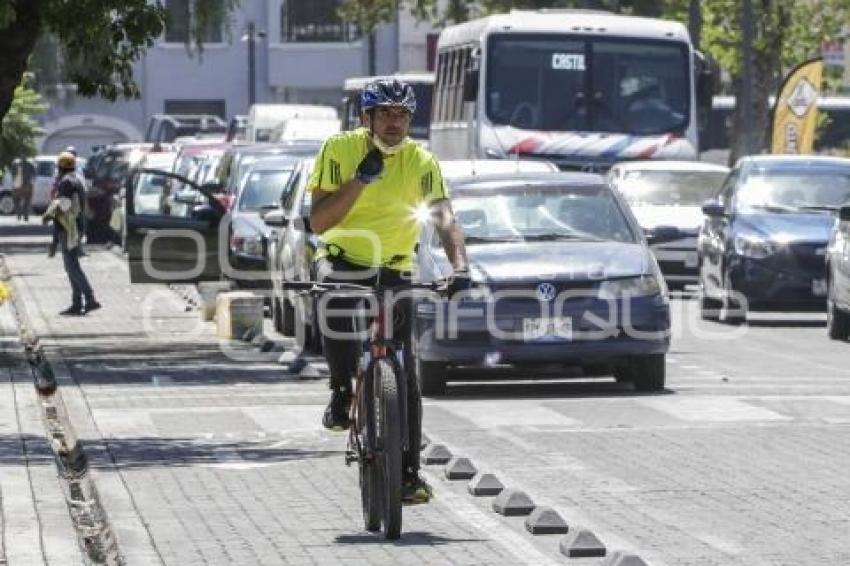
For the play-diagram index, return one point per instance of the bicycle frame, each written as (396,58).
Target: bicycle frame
(375,348)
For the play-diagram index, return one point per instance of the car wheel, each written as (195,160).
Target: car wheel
(623,372)
(431,376)
(287,318)
(837,321)
(7,204)
(709,309)
(731,311)
(648,373)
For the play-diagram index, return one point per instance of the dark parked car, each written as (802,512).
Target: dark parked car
(562,275)
(838,278)
(763,244)
(291,254)
(260,190)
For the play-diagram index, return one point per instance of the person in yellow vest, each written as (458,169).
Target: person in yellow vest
(366,185)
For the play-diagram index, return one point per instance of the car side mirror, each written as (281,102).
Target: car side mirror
(713,208)
(661,234)
(844,213)
(276,218)
(470,85)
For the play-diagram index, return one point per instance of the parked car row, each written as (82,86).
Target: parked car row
(596,253)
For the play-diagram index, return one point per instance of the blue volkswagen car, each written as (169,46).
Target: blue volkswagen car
(562,275)
(764,242)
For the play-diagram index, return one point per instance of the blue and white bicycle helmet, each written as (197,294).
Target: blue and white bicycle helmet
(387,92)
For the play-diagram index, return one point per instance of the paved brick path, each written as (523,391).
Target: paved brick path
(210,460)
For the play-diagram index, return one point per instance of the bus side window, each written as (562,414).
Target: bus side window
(440,89)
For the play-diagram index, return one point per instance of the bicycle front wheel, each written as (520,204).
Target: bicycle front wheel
(369,466)
(388,432)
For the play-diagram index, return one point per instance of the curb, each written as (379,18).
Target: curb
(108,526)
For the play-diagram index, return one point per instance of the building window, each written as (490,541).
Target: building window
(179,20)
(314,20)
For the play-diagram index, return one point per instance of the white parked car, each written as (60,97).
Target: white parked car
(666,198)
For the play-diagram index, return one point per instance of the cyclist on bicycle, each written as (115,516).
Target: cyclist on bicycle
(366,186)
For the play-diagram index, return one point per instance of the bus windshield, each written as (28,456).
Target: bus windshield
(560,83)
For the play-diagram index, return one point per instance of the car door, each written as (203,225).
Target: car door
(173,229)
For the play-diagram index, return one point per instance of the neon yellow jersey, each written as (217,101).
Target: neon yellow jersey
(382,228)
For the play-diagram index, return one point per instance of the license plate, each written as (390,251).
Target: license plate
(555,328)
(691,260)
(819,287)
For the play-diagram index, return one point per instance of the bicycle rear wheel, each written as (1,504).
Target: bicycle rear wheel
(370,470)
(388,432)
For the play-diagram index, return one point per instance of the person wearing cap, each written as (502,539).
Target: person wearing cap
(366,185)
(64,211)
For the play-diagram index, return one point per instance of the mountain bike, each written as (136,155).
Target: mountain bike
(378,436)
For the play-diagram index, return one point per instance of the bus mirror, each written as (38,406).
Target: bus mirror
(470,85)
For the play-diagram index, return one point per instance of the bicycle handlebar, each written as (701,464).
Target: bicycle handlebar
(321,287)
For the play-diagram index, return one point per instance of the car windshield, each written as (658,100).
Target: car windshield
(263,188)
(541,214)
(564,83)
(814,188)
(670,188)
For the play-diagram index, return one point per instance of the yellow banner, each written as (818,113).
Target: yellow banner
(795,113)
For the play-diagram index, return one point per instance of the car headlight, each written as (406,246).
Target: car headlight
(641,286)
(250,245)
(756,248)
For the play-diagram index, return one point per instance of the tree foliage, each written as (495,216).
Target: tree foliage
(100,39)
(19,128)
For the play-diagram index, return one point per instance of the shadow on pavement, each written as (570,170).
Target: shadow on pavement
(586,388)
(126,361)
(786,323)
(154,452)
(414,538)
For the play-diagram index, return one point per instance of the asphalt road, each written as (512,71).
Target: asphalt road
(219,456)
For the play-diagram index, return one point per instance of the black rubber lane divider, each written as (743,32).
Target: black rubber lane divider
(94,532)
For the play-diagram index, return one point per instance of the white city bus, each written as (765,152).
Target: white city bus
(423,88)
(581,88)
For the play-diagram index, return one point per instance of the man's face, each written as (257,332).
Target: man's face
(391,124)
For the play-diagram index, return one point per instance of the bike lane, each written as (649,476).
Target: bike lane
(206,452)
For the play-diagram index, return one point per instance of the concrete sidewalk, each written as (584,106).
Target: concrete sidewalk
(208,453)
(34,518)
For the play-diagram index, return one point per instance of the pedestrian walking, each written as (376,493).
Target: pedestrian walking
(23,175)
(63,211)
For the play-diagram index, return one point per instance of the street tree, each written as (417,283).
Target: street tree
(100,39)
(19,128)
(785,34)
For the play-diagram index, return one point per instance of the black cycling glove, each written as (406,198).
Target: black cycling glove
(370,167)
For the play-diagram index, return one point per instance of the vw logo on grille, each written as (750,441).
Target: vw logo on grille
(546,291)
